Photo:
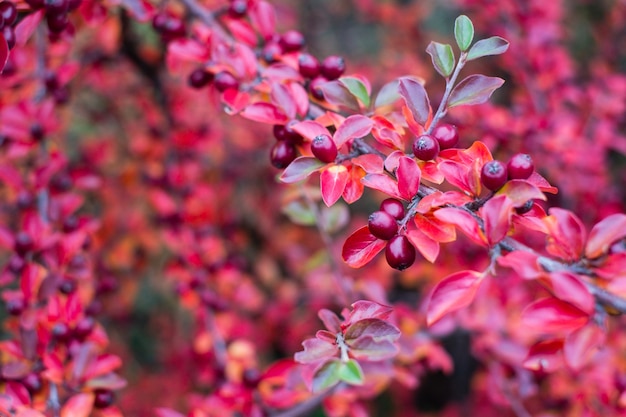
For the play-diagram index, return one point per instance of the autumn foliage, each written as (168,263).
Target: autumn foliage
(406,208)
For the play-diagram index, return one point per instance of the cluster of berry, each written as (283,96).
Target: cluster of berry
(8,17)
(57,12)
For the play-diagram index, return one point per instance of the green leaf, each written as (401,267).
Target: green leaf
(442,56)
(463,32)
(299,213)
(490,46)
(475,89)
(351,373)
(357,88)
(327,376)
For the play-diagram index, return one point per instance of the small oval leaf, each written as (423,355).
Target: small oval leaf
(442,57)
(475,89)
(490,46)
(463,32)
(361,247)
(300,168)
(416,99)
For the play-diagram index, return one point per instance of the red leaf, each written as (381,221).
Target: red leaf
(264,113)
(361,247)
(435,228)
(354,187)
(428,247)
(235,101)
(301,98)
(281,72)
(568,287)
(382,182)
(300,169)
(263,17)
(551,315)
(281,96)
(409,176)
(416,99)
(497,214)
(316,350)
(25,29)
(545,356)
(310,129)
(451,294)
(567,234)
(79,405)
(604,233)
(369,349)
(364,309)
(355,126)
(333,181)
(456,174)
(337,94)
(542,183)
(581,344)
(4,52)
(376,328)
(372,164)
(242,31)
(523,263)
(520,191)
(463,220)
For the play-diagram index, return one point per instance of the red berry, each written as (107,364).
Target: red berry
(425,147)
(286,132)
(199,78)
(56,6)
(9,36)
(525,208)
(15,306)
(104,398)
(308,66)
(61,332)
(57,22)
(400,253)
(35,4)
(23,243)
(292,41)
(282,154)
(8,11)
(67,286)
(25,200)
(174,27)
(520,166)
(73,4)
(493,175)
(393,207)
(446,135)
(280,133)
(382,225)
(51,80)
(84,327)
(271,52)
(238,8)
(32,382)
(314,87)
(333,67)
(224,80)
(324,148)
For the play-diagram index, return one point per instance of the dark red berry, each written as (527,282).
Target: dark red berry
(60,332)
(308,66)
(292,41)
(382,225)
(8,11)
(50,80)
(425,147)
(251,378)
(104,398)
(15,306)
(279,132)
(493,175)
(225,80)
(393,207)
(61,95)
(333,67)
(525,208)
(23,243)
(84,327)
(314,87)
(238,8)
(57,22)
(520,166)
(271,52)
(159,22)
(290,134)
(199,78)
(35,4)
(282,154)
(324,148)
(446,135)
(67,286)
(73,4)
(32,382)
(37,132)
(9,36)
(174,27)
(56,6)
(400,253)
(25,200)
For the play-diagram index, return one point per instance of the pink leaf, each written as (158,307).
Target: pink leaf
(416,99)
(332,182)
(372,164)
(310,129)
(545,356)
(454,292)
(541,183)
(523,263)
(497,215)
(264,113)
(79,405)
(568,287)
(25,29)
(463,220)
(567,234)
(382,182)
(369,349)
(409,176)
(581,344)
(551,315)
(456,174)
(604,233)
(281,96)
(520,191)
(263,17)
(300,169)
(364,309)
(361,247)
(373,327)
(337,94)
(315,350)
(428,247)
(330,320)
(354,187)
(355,126)
(435,228)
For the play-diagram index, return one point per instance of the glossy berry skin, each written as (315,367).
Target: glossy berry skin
(57,22)
(282,154)
(271,52)
(314,87)
(446,135)
(199,78)
(382,225)
(225,80)
(9,36)
(84,327)
(292,41)
(425,147)
(33,383)
(286,132)
(238,8)
(333,67)
(15,306)
(308,66)
(8,11)
(104,398)
(393,207)
(61,332)
(400,253)
(520,167)
(493,175)
(56,6)
(324,148)
(23,243)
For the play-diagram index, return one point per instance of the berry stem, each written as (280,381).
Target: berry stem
(443,106)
